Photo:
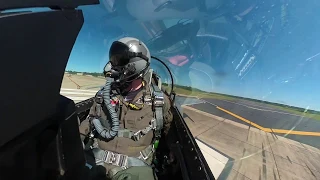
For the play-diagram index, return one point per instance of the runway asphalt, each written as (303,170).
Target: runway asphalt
(264,116)
(249,153)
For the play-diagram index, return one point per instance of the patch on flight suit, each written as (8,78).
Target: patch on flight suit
(139,101)
(114,100)
(147,100)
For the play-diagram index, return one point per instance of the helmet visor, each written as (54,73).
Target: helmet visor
(118,54)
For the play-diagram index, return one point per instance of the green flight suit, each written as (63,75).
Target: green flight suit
(133,120)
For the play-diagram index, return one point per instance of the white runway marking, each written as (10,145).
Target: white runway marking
(187,100)
(193,103)
(209,102)
(78,95)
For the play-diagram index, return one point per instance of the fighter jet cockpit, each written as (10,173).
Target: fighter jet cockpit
(159,89)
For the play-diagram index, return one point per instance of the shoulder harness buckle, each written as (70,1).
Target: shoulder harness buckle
(157,103)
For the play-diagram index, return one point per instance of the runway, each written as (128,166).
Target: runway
(245,152)
(258,141)
(296,127)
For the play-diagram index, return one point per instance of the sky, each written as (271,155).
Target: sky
(287,70)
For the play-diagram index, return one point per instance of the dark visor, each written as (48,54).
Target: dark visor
(118,54)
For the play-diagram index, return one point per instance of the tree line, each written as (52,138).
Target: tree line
(189,88)
(95,74)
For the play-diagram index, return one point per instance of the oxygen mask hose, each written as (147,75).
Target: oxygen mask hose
(103,131)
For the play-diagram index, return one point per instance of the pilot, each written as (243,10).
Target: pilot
(129,116)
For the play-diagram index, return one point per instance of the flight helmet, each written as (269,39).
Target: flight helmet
(129,58)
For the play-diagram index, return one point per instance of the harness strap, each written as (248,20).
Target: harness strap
(121,160)
(146,153)
(136,136)
(98,110)
(158,102)
(156,123)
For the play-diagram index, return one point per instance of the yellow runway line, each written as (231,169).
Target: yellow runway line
(303,133)
(241,118)
(279,131)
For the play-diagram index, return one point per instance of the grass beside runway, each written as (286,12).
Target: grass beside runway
(188,91)
(308,114)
